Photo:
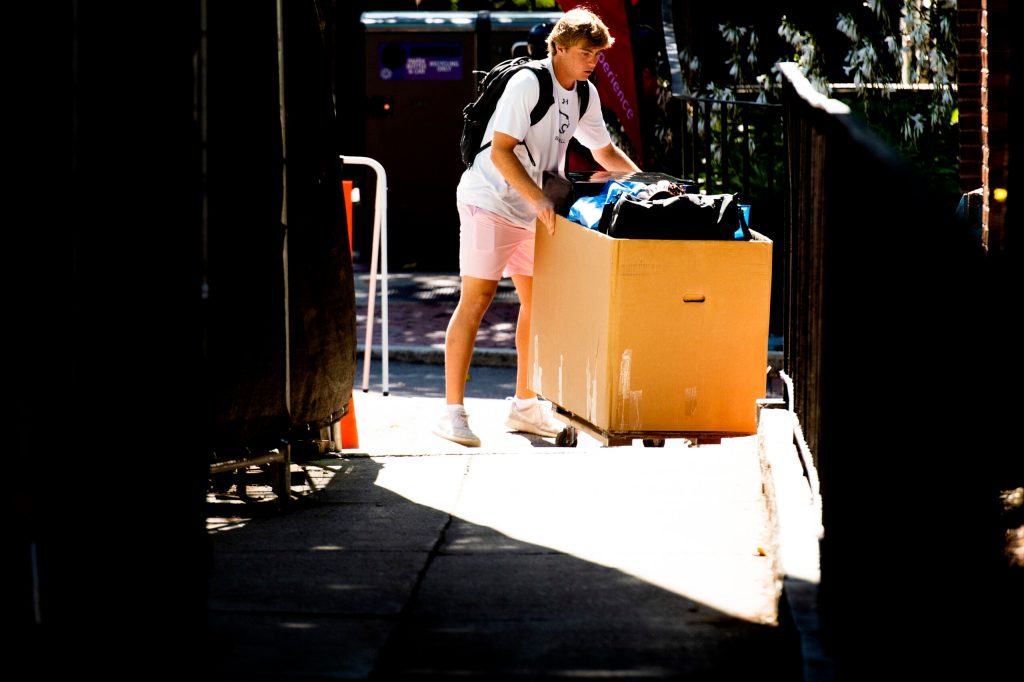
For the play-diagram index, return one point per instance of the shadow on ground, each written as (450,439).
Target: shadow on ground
(358,582)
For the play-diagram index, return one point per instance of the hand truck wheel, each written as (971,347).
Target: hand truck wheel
(566,438)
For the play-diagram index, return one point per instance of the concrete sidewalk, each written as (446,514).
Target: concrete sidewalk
(411,557)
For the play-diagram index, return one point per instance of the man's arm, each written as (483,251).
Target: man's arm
(612,158)
(505,160)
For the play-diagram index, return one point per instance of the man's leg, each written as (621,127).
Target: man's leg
(524,288)
(474,299)
(527,413)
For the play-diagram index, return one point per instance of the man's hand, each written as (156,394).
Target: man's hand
(546,214)
(504,159)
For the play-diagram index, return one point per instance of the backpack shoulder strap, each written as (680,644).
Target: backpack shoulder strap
(583,92)
(547,96)
(547,93)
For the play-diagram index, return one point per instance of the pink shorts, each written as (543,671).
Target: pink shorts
(491,247)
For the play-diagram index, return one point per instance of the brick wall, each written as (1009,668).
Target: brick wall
(969,93)
(996,25)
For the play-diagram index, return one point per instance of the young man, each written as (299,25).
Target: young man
(500,203)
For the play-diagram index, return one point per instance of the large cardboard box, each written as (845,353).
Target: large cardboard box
(644,336)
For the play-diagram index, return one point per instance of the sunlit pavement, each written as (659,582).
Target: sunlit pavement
(413,556)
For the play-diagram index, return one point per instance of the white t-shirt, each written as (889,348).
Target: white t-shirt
(484,186)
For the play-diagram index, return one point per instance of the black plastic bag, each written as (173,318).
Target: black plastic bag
(675,216)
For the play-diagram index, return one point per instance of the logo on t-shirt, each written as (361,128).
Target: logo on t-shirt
(563,122)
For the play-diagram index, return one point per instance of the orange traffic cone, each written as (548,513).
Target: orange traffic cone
(347,186)
(349,430)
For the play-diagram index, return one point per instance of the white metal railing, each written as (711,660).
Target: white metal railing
(379,248)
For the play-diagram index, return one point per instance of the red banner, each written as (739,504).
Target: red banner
(616,75)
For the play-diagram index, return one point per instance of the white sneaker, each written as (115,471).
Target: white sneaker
(454,426)
(534,419)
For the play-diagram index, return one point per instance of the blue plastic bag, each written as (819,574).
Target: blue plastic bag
(587,211)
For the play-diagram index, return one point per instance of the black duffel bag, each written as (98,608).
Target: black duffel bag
(674,216)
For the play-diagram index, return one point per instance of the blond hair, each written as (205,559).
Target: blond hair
(580,26)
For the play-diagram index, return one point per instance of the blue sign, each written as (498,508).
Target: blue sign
(419,61)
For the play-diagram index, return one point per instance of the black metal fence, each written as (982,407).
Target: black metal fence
(732,146)
(890,315)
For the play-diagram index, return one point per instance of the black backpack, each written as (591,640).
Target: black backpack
(475,115)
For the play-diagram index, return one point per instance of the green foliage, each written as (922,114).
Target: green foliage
(752,162)
(661,153)
(915,45)
(933,150)
(805,55)
(901,65)
(904,76)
